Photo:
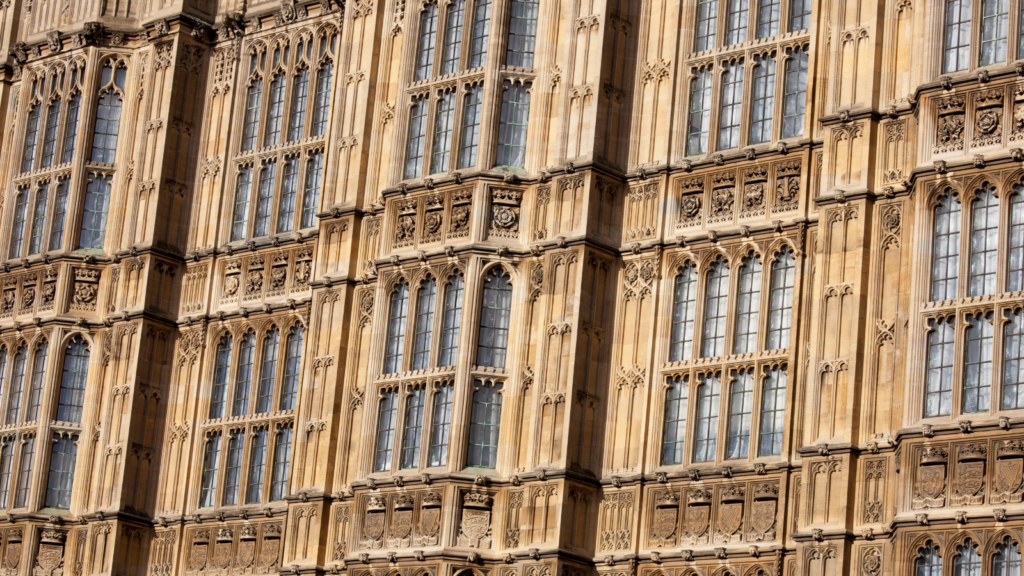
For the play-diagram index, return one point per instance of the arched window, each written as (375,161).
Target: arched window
(684,306)
(424,327)
(28,453)
(741,407)
(297,116)
(292,368)
(17,385)
(417,136)
(425,47)
(108,114)
(763,106)
(71,128)
(233,472)
(3,370)
(1013,362)
(780,300)
(72,383)
(794,100)
(513,123)
(451,321)
(60,211)
(50,134)
(984,243)
(28,153)
(268,372)
(441,426)
(522,33)
(35,240)
(251,122)
(94,213)
(977,364)
(1015,268)
(412,431)
(674,436)
(257,467)
(967,560)
(222,366)
(282,461)
(275,111)
(61,476)
(18,225)
(707,24)
(773,412)
(472,105)
(736,22)
(322,103)
(731,105)
(243,188)
(484,423)
(453,37)
(264,198)
(387,415)
(928,562)
(945,248)
(495,314)
(706,429)
(716,306)
(481,31)
(208,480)
(6,468)
(444,122)
(35,391)
(289,189)
(938,398)
(1007,559)
(396,328)
(747,303)
(243,379)
(311,195)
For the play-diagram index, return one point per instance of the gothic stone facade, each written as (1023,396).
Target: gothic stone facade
(511,287)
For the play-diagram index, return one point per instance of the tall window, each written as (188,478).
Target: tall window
(322,103)
(71,128)
(484,420)
(268,370)
(768,18)
(108,115)
(424,328)
(732,107)
(289,188)
(1007,559)
(297,115)
(28,153)
(794,98)
(1015,268)
(60,211)
(707,22)
(515,113)
(928,562)
(966,560)
(684,305)
(799,15)
(441,425)
(243,379)
(257,467)
(763,104)
(413,429)
(741,406)
(240,219)
(50,135)
(984,243)
(17,385)
(35,391)
(747,302)
(451,321)
(94,213)
(453,37)
(220,377)
(700,113)
(396,329)
(264,197)
(773,412)
(387,414)
(6,462)
(251,122)
(706,429)
(18,227)
(522,33)
(780,300)
(939,376)
(978,364)
(443,124)
(292,368)
(28,452)
(716,305)
(311,195)
(282,460)
(72,383)
(1013,362)
(945,248)
(736,22)
(674,435)
(208,481)
(425,49)
(275,111)
(417,135)
(233,472)
(470,126)
(481,29)
(35,241)
(995,29)
(495,312)
(61,475)
(957,49)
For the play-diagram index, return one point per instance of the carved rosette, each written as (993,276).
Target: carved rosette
(691,201)
(988,118)
(505,207)
(85,290)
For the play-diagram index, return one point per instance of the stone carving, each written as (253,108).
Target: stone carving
(753,199)
(85,289)
(1009,473)
(430,520)
(689,210)
(475,529)
(28,297)
(721,204)
(698,516)
(617,512)
(988,118)
(930,487)
(505,206)
(730,516)
(950,134)
(405,231)
(872,562)
(253,282)
(278,275)
(763,513)
(664,520)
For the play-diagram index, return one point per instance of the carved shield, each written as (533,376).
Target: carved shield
(697,520)
(222,554)
(664,524)
(476,523)
(269,551)
(246,553)
(373,526)
(970,477)
(50,557)
(430,521)
(730,516)
(1008,475)
(763,515)
(931,480)
(13,557)
(401,523)
(197,557)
